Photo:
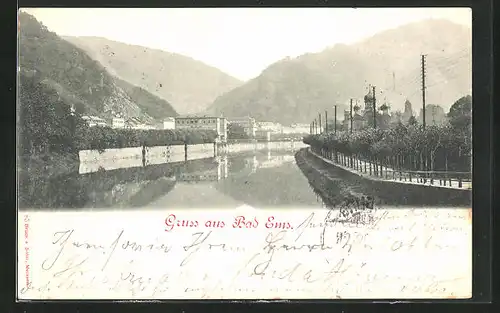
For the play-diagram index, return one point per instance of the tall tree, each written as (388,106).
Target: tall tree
(460,114)
(46,122)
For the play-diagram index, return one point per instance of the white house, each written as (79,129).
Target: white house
(270,126)
(94,121)
(169,123)
(118,122)
(218,124)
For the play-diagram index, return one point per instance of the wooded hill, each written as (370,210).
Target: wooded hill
(296,90)
(189,85)
(79,80)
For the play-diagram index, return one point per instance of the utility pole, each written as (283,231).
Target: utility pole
(311,128)
(393,81)
(351,115)
(335,120)
(319,123)
(423,91)
(326,121)
(374,108)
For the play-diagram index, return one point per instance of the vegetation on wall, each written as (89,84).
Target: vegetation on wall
(100,138)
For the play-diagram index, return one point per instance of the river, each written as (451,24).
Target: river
(263,179)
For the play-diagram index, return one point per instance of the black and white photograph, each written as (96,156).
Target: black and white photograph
(169,116)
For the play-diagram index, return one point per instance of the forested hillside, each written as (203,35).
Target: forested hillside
(297,89)
(79,80)
(189,85)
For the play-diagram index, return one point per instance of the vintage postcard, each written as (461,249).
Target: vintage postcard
(244,153)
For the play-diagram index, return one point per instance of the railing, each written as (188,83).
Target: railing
(376,170)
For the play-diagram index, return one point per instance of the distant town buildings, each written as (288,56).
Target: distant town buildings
(144,127)
(272,127)
(408,112)
(118,122)
(300,126)
(247,123)
(382,118)
(136,123)
(218,124)
(93,121)
(169,123)
(358,122)
(434,115)
(296,128)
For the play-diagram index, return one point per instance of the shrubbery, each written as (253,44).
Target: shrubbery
(403,147)
(99,138)
(410,147)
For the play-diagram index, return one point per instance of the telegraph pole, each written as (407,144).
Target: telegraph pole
(319,123)
(374,108)
(423,91)
(326,121)
(335,121)
(351,115)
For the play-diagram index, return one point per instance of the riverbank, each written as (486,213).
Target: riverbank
(326,175)
(55,164)
(48,165)
(379,172)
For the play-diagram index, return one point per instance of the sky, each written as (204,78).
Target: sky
(239,41)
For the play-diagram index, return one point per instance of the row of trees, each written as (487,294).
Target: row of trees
(47,125)
(409,147)
(105,137)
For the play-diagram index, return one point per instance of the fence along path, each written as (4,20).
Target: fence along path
(363,168)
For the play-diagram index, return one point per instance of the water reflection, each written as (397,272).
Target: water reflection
(196,173)
(262,179)
(192,183)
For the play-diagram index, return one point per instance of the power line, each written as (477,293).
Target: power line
(423,90)
(459,54)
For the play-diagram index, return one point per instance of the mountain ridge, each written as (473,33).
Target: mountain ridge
(77,78)
(390,60)
(188,84)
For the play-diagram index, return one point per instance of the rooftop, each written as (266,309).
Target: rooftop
(197,116)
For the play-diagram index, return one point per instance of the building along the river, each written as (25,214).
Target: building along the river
(247,123)
(274,128)
(169,123)
(218,124)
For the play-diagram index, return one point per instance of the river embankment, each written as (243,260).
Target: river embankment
(327,178)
